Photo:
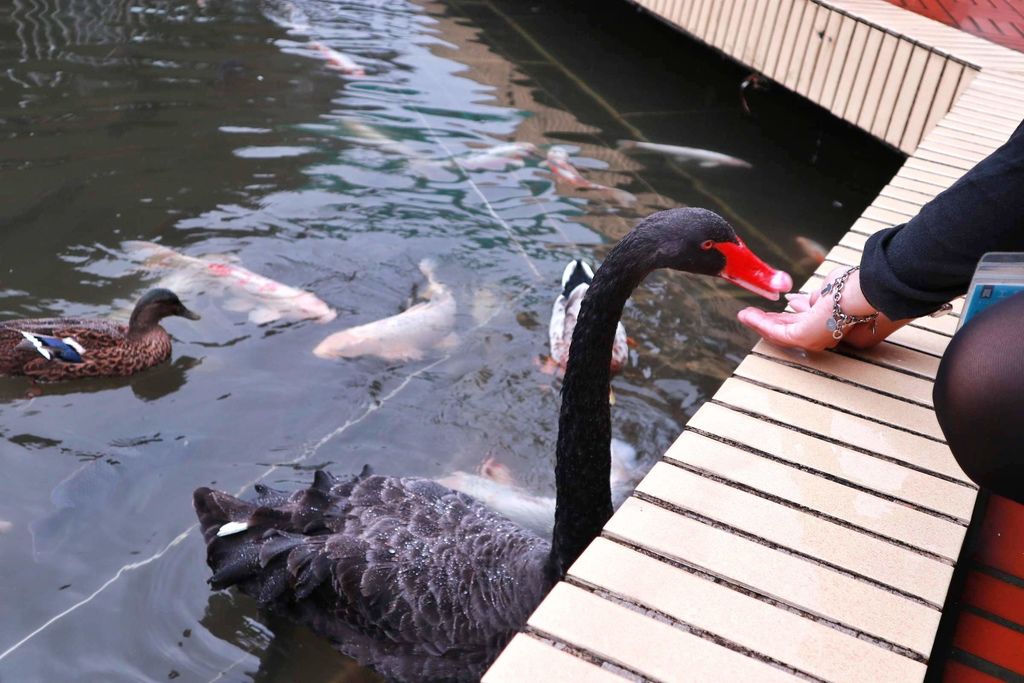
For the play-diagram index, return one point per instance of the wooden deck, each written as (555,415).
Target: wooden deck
(808,521)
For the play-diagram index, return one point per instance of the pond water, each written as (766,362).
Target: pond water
(218,127)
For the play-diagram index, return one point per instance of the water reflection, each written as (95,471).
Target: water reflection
(215,128)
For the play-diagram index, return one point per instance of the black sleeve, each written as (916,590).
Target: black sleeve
(911,269)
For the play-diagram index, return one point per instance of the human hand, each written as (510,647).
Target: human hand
(806,327)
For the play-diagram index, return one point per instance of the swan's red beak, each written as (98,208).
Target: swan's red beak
(745,269)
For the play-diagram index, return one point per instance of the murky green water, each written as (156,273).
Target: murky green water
(214,127)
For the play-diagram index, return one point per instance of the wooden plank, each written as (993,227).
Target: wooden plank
(528,659)
(757,27)
(953,74)
(923,102)
(899,358)
(789,36)
(891,87)
(811,587)
(803,42)
(915,418)
(839,545)
(855,56)
(858,372)
(909,92)
(817,44)
(840,54)
(853,431)
(888,479)
(754,625)
(764,38)
(868,107)
(652,648)
(816,70)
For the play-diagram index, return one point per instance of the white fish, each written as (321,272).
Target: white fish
(704,157)
(406,336)
(494,486)
(266,300)
(500,157)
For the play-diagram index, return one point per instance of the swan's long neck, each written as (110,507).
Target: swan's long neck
(583,457)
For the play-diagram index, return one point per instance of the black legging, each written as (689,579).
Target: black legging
(979,398)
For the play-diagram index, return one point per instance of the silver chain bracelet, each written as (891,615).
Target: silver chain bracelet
(839,321)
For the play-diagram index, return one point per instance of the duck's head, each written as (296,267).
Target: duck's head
(576,273)
(700,241)
(155,305)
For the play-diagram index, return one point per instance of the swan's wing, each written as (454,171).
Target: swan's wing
(404,574)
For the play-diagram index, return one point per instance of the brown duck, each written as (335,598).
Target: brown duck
(52,349)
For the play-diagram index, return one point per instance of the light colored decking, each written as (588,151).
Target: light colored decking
(807,522)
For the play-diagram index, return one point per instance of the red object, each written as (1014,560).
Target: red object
(961,673)
(1000,21)
(993,586)
(991,641)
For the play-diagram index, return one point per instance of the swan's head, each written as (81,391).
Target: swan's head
(701,241)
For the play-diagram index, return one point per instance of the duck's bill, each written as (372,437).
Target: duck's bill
(744,268)
(186,313)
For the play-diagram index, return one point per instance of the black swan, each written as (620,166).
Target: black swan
(421,582)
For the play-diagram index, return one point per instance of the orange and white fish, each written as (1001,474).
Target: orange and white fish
(266,300)
(406,336)
(564,172)
(813,252)
(338,60)
(494,485)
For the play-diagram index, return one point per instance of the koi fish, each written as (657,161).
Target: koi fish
(813,252)
(338,61)
(494,485)
(406,336)
(266,300)
(704,158)
(500,157)
(5,526)
(558,161)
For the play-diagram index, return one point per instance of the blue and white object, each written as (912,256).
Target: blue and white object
(52,348)
(999,275)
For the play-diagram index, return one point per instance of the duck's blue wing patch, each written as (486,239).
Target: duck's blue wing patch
(52,348)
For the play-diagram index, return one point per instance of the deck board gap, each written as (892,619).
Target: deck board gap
(701,472)
(824,475)
(727,582)
(844,444)
(786,550)
(787,392)
(654,613)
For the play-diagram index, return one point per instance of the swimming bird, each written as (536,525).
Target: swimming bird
(51,349)
(424,583)
(576,280)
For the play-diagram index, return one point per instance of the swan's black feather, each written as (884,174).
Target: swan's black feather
(410,577)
